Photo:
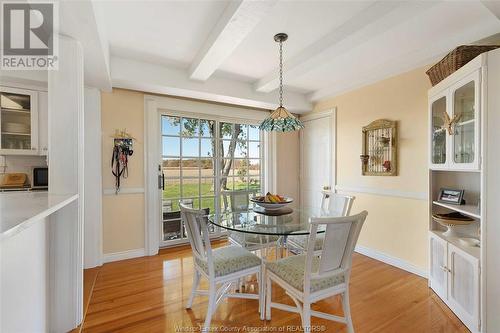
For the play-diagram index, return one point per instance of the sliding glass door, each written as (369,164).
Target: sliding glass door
(207,164)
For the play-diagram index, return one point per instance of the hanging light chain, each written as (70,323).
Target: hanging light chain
(281,73)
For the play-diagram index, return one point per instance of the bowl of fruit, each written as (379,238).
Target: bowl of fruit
(271,201)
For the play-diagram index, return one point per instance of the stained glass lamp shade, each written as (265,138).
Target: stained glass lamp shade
(281,120)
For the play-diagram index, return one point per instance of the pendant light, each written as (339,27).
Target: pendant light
(281,120)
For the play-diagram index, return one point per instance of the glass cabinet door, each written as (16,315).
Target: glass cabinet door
(15,118)
(438,149)
(464,138)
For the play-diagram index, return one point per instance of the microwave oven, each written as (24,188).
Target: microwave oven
(40,178)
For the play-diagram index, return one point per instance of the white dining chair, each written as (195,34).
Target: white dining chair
(222,266)
(335,205)
(308,278)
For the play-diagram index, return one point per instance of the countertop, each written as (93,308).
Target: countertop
(20,210)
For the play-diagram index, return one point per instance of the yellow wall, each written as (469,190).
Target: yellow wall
(123,215)
(395,226)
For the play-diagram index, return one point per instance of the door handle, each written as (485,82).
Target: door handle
(161,181)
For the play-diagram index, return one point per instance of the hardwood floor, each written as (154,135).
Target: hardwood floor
(148,295)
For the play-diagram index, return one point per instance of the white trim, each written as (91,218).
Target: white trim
(317,115)
(393,261)
(214,110)
(123,255)
(383,192)
(123,190)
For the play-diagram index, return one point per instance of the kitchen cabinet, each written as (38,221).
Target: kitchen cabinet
(18,121)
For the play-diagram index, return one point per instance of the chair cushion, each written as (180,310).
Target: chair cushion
(230,259)
(291,270)
(251,239)
(300,241)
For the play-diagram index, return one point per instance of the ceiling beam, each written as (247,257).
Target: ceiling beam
(147,77)
(77,14)
(377,18)
(238,20)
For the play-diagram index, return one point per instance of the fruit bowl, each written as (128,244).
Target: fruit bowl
(271,201)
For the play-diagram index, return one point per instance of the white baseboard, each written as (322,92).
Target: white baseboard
(393,261)
(129,254)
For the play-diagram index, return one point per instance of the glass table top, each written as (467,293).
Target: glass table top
(292,221)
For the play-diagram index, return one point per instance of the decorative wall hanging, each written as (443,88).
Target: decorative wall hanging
(122,149)
(281,120)
(379,152)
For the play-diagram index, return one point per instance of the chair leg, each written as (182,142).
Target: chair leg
(196,282)
(268,298)
(212,293)
(306,316)
(262,294)
(347,311)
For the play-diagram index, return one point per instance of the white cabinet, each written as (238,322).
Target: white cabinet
(23,121)
(458,100)
(18,121)
(454,276)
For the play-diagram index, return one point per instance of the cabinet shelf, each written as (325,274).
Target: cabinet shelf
(470,210)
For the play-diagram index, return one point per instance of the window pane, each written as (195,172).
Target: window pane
(226,130)
(172,189)
(254,184)
(226,183)
(190,167)
(207,186)
(171,146)
(190,187)
(254,149)
(241,183)
(208,203)
(253,132)
(243,131)
(234,149)
(241,168)
(254,167)
(190,127)
(207,128)
(207,148)
(170,125)
(207,167)
(171,167)
(190,147)
(227,167)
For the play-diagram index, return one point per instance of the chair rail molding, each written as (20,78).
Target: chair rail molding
(383,192)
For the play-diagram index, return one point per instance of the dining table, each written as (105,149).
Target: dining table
(282,223)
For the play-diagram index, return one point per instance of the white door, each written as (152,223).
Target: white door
(317,164)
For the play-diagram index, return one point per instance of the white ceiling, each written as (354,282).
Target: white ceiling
(333,46)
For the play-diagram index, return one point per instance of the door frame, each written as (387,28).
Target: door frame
(153,106)
(332,115)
